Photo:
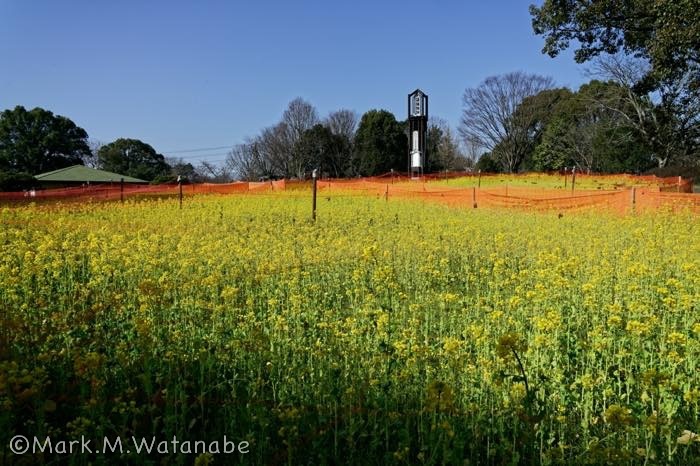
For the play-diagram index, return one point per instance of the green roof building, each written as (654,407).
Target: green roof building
(80,174)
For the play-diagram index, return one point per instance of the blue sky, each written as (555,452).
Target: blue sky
(187,75)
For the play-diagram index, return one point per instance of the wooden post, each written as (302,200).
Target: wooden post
(480,178)
(565,177)
(313,202)
(392,176)
(678,188)
(121,190)
(634,198)
(386,194)
(573,179)
(474,197)
(179,183)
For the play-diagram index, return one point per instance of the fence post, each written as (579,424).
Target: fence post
(179,182)
(678,188)
(566,177)
(573,179)
(634,198)
(474,197)
(386,194)
(313,201)
(479,178)
(121,190)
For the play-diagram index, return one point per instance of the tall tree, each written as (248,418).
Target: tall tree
(323,150)
(472,151)
(668,120)
(587,129)
(214,173)
(342,122)
(272,153)
(664,32)
(488,115)
(91,160)
(38,141)
(247,162)
(133,158)
(533,115)
(443,148)
(380,144)
(299,117)
(450,153)
(433,139)
(276,146)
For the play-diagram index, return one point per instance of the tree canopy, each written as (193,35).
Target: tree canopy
(380,144)
(37,141)
(132,157)
(588,129)
(322,149)
(443,151)
(489,117)
(665,32)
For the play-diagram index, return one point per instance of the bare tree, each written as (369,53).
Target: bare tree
(276,147)
(668,120)
(300,116)
(472,150)
(91,160)
(241,163)
(214,173)
(343,123)
(444,151)
(249,162)
(488,115)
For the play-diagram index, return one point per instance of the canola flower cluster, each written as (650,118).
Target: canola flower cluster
(398,332)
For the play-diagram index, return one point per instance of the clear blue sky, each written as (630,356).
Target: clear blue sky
(196,74)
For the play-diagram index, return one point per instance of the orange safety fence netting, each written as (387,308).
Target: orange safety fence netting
(646,199)
(624,200)
(664,193)
(116,191)
(614,181)
(489,197)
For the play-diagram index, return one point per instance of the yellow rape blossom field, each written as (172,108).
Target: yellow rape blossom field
(399,332)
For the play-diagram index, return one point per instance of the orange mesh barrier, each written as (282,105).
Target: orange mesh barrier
(93,192)
(646,199)
(502,196)
(654,193)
